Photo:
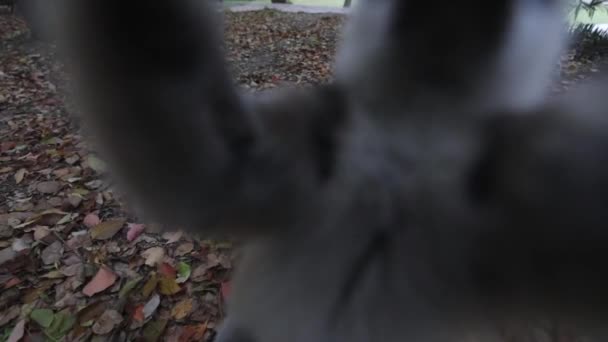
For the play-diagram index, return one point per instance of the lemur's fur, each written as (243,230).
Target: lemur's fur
(431,189)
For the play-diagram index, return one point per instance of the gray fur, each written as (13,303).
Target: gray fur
(426,195)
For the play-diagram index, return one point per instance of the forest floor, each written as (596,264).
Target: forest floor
(74,263)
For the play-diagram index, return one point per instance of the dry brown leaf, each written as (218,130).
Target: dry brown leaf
(101,281)
(107,322)
(40,232)
(19,175)
(9,314)
(17,333)
(184,248)
(50,187)
(34,294)
(52,253)
(72,270)
(91,312)
(172,237)
(182,309)
(106,230)
(153,255)
(193,333)
(199,274)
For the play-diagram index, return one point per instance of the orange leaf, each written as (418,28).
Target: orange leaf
(167,270)
(101,281)
(138,313)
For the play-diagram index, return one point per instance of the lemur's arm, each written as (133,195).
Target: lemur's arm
(545,181)
(153,82)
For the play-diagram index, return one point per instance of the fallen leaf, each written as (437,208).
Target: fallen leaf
(172,237)
(6,145)
(7,315)
(167,270)
(107,322)
(50,187)
(222,259)
(168,286)
(74,200)
(153,330)
(40,232)
(193,333)
(91,312)
(35,293)
(96,164)
(60,173)
(138,313)
(183,272)
(225,289)
(200,273)
(62,323)
(54,274)
(151,306)
(12,282)
(72,159)
(72,270)
(20,245)
(128,287)
(184,249)
(52,141)
(94,184)
(5,231)
(106,230)
(52,253)
(135,229)
(150,285)
(91,220)
(19,175)
(153,255)
(67,218)
(102,280)
(17,333)
(44,317)
(182,309)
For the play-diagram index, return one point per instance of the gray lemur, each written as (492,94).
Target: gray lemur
(430,191)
